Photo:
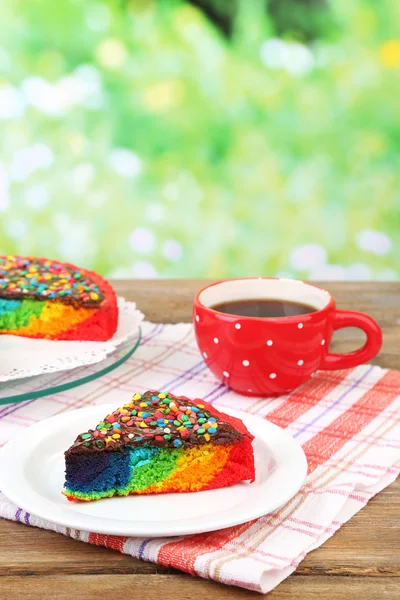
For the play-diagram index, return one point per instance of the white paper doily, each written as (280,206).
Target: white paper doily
(25,357)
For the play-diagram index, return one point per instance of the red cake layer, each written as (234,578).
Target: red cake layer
(239,468)
(102,324)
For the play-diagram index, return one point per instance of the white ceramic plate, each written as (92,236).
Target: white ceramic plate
(32,476)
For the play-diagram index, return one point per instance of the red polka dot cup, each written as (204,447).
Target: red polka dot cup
(258,356)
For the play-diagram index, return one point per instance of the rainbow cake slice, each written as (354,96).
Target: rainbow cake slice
(42,298)
(159,443)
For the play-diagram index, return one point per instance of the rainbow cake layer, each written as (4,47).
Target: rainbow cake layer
(159,443)
(42,298)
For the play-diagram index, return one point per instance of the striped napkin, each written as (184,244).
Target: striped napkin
(348,423)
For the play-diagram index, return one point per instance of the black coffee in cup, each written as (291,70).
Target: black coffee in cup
(264,307)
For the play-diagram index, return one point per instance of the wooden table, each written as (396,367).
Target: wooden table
(361,561)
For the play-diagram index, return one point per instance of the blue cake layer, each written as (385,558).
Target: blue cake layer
(105,471)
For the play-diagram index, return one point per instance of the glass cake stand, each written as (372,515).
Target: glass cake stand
(38,386)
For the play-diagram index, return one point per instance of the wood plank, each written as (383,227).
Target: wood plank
(170,301)
(136,587)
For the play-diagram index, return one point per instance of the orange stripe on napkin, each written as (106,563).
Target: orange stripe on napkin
(183,554)
(328,441)
(115,542)
(305,398)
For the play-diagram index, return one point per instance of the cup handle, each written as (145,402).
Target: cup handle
(349,318)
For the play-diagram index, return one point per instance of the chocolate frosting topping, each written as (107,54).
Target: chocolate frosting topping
(43,279)
(160,419)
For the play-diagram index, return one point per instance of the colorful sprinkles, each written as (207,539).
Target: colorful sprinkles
(156,417)
(45,279)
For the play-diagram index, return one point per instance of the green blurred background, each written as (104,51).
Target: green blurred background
(211,138)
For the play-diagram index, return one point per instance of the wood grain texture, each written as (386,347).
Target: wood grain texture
(361,559)
(180,587)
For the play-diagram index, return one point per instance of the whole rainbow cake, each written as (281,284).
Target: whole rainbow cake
(159,443)
(42,298)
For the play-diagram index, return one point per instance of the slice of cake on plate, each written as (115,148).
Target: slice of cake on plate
(42,298)
(159,443)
